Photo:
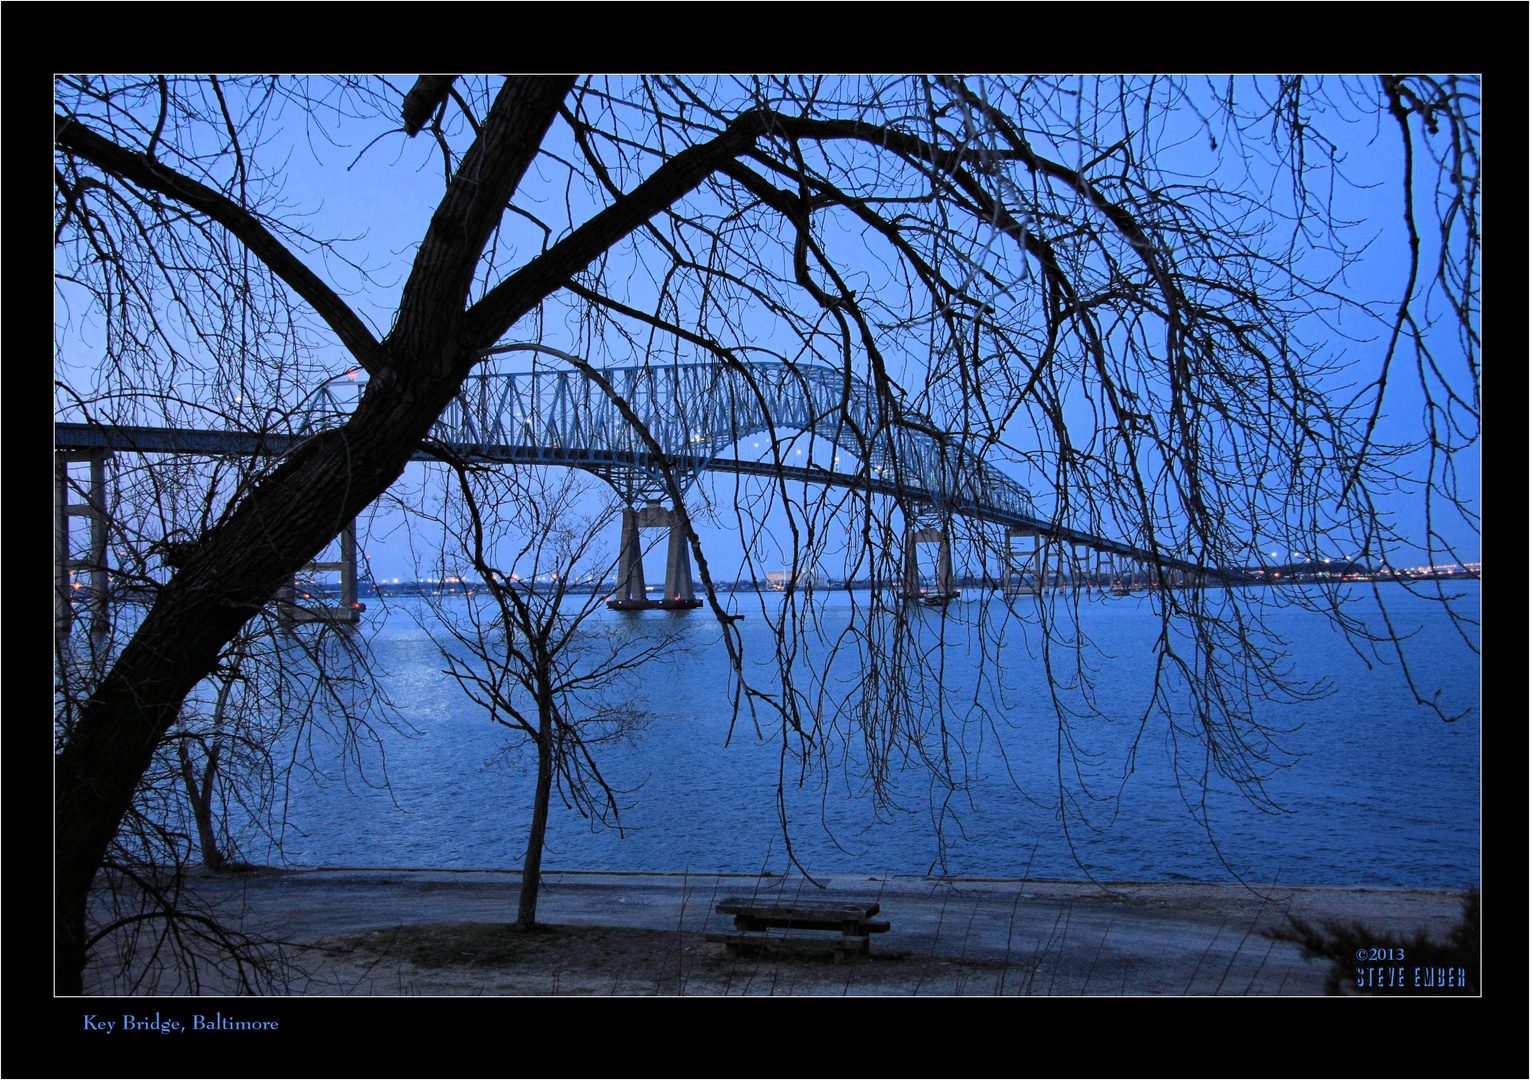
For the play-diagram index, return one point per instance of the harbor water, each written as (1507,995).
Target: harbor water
(1371,789)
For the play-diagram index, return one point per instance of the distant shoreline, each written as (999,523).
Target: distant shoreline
(387,590)
(368,589)
(766,875)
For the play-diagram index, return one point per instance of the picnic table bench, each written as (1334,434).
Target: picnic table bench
(764,925)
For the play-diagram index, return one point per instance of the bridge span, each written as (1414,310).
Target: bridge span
(651,431)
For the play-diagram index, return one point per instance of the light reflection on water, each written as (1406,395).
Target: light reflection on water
(1382,792)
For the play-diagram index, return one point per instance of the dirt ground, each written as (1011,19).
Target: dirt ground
(437,932)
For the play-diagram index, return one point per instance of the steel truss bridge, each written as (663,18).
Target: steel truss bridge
(632,425)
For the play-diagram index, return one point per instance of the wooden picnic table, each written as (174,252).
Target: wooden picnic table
(769,925)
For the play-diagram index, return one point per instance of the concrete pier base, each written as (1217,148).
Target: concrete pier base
(942,593)
(631,592)
(292,609)
(95,562)
(1015,574)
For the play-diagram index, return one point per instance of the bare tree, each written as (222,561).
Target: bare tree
(517,629)
(1127,292)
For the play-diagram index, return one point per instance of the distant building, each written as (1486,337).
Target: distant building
(806,579)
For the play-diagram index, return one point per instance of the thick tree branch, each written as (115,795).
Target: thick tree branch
(75,138)
(512,298)
(437,289)
(427,94)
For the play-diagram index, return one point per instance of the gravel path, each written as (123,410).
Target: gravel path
(390,931)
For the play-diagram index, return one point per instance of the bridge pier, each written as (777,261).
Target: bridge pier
(1110,572)
(63,606)
(629,567)
(943,592)
(631,593)
(93,508)
(679,591)
(1032,562)
(348,613)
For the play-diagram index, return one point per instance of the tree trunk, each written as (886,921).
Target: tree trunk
(531,867)
(201,800)
(201,805)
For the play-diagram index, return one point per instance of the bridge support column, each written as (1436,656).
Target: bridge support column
(96,558)
(348,613)
(349,601)
(943,592)
(629,570)
(99,623)
(1031,562)
(677,568)
(679,589)
(63,609)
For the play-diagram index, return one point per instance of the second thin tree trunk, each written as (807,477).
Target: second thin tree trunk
(201,805)
(531,868)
